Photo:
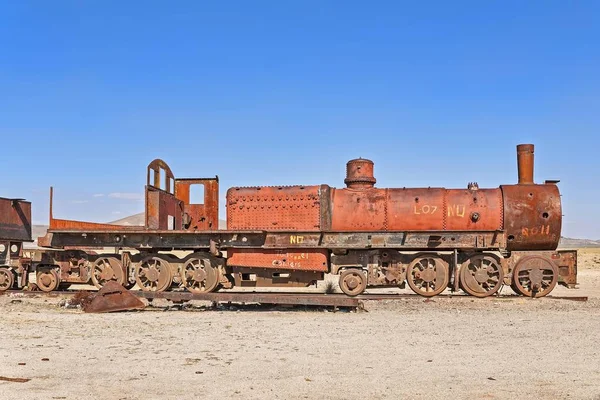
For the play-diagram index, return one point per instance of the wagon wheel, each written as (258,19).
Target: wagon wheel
(353,282)
(481,276)
(199,275)
(107,269)
(153,274)
(428,275)
(47,280)
(7,279)
(534,276)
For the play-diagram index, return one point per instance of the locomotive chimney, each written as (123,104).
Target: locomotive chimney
(525,163)
(359,174)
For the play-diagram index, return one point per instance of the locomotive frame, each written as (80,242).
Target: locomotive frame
(287,237)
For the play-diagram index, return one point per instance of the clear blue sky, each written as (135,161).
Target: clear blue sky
(285,92)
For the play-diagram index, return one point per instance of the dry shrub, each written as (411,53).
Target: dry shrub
(330,287)
(82,298)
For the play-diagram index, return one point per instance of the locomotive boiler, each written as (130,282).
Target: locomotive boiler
(431,239)
(486,230)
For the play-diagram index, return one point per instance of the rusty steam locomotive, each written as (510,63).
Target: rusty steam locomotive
(429,238)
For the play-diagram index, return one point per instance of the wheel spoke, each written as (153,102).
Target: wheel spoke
(199,275)
(481,275)
(427,276)
(535,275)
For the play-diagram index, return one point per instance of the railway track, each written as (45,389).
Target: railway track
(302,299)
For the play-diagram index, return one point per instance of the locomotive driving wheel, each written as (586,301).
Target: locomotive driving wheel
(153,274)
(353,282)
(199,275)
(428,275)
(534,276)
(107,269)
(47,280)
(7,279)
(481,276)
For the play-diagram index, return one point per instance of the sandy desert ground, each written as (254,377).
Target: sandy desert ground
(495,348)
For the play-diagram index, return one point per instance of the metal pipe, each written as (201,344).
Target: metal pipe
(525,163)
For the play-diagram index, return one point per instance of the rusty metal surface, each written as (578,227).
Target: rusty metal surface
(83,226)
(269,277)
(525,163)
(479,210)
(153,274)
(353,281)
(200,216)
(359,174)
(142,238)
(15,220)
(274,208)
(566,260)
(481,275)
(284,259)
(428,275)
(416,209)
(414,240)
(107,269)
(200,273)
(72,265)
(47,279)
(534,275)
(7,279)
(274,240)
(163,209)
(359,210)
(113,297)
(532,216)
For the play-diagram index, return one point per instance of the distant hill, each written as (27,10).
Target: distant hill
(575,243)
(132,220)
(139,220)
(37,231)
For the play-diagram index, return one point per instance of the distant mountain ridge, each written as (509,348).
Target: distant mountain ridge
(140,220)
(569,242)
